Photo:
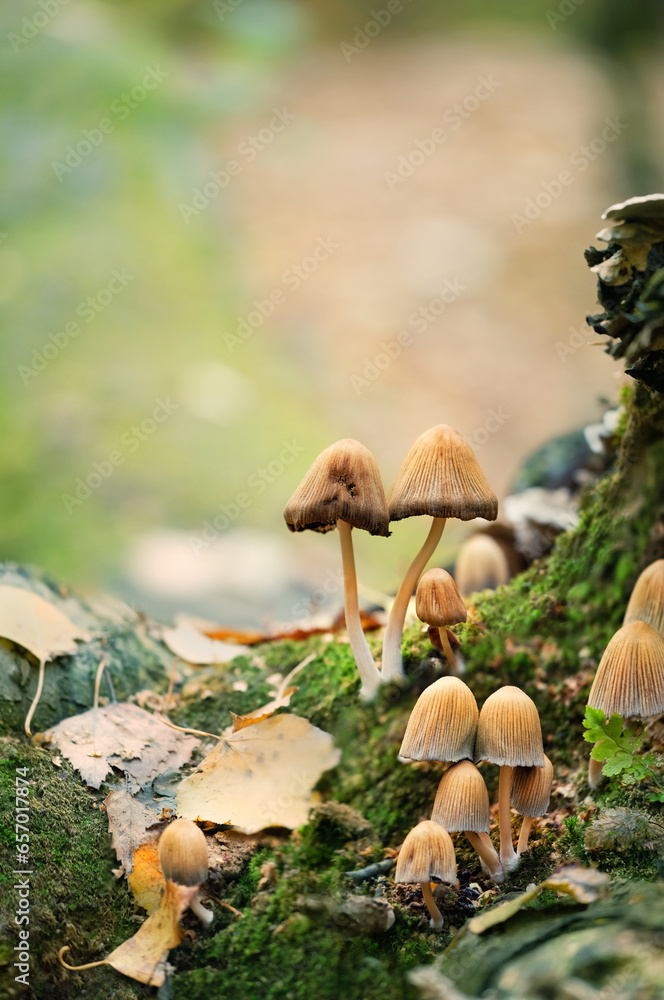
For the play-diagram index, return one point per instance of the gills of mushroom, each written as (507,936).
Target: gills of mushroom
(343,489)
(462,806)
(531,791)
(183,856)
(509,734)
(441,477)
(629,679)
(427,853)
(439,604)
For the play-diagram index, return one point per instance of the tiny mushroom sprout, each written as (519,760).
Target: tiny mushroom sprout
(480,565)
(439,604)
(509,734)
(183,856)
(629,679)
(531,791)
(343,489)
(441,477)
(462,805)
(427,853)
(443,723)
(647,601)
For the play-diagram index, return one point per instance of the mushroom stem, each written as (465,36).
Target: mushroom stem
(436,922)
(507,856)
(392,660)
(525,833)
(35,700)
(369,673)
(454,661)
(204,915)
(595,773)
(486,852)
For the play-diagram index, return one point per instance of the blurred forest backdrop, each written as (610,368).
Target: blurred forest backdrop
(215,214)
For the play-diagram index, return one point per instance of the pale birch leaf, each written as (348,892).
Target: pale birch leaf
(35,624)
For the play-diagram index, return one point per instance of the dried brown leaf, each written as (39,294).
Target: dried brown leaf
(128,822)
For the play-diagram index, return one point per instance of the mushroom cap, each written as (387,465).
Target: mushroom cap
(440,476)
(343,483)
(480,565)
(509,731)
(443,723)
(640,208)
(646,603)
(531,789)
(427,853)
(462,800)
(630,675)
(183,853)
(438,601)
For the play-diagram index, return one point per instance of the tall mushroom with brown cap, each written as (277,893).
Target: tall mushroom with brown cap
(629,679)
(440,476)
(531,791)
(646,603)
(462,805)
(183,856)
(427,853)
(343,489)
(509,734)
(442,724)
(439,604)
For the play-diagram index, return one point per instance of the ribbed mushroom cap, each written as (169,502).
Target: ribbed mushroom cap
(481,565)
(426,854)
(183,853)
(630,675)
(440,476)
(462,800)
(509,731)
(438,602)
(531,789)
(443,723)
(343,482)
(647,601)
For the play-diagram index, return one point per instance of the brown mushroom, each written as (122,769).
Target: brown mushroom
(443,723)
(646,603)
(530,794)
(427,853)
(439,604)
(462,805)
(480,565)
(183,856)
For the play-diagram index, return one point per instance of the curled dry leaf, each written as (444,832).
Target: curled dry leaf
(191,645)
(282,697)
(36,624)
(260,776)
(128,822)
(122,736)
(143,957)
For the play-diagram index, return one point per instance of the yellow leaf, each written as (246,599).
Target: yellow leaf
(37,625)
(146,880)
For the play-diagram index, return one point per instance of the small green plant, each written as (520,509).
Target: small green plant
(618,746)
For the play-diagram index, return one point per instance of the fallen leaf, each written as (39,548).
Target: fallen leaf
(36,624)
(260,776)
(146,879)
(128,822)
(122,736)
(191,645)
(282,697)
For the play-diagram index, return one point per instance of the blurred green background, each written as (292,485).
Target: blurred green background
(216,70)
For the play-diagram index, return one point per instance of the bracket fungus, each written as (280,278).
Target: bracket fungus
(443,723)
(441,477)
(427,853)
(343,489)
(183,856)
(439,604)
(509,734)
(646,603)
(629,679)
(531,791)
(462,806)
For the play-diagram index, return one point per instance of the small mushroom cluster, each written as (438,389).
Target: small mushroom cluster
(446,725)
(440,477)
(630,676)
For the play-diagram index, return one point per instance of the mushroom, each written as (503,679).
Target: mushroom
(480,565)
(462,805)
(183,856)
(427,853)
(531,791)
(343,489)
(509,734)
(439,604)
(440,476)
(647,601)
(442,724)
(629,680)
